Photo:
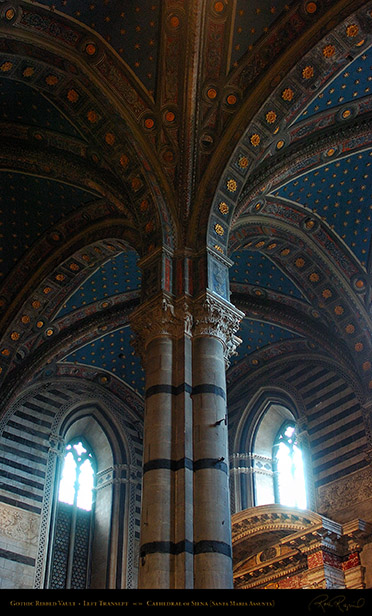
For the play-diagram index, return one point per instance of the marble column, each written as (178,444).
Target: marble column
(215,324)
(163,341)
(185,524)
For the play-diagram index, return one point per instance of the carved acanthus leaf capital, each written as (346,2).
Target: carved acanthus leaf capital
(160,317)
(217,318)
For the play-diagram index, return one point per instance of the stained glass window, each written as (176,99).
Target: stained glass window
(289,469)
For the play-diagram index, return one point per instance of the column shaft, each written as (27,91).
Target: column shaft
(212,526)
(156,523)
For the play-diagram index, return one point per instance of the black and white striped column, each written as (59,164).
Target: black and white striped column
(166,551)
(213,335)
(185,524)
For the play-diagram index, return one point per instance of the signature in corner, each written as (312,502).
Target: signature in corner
(340,602)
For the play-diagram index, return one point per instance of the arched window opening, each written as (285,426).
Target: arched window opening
(70,567)
(289,477)
(76,485)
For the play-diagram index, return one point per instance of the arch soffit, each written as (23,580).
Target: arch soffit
(54,268)
(298,249)
(59,337)
(285,73)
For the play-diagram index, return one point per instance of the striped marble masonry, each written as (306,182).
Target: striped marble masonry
(334,421)
(24,447)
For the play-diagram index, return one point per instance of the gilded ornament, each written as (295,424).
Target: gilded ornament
(91,49)
(327,293)
(255,140)
(339,310)
(350,329)
(6,66)
(311,8)
(74,267)
(219,229)
(309,224)
(285,252)
(136,183)
(218,7)
(14,336)
(287,94)
(170,116)
(308,72)
(270,117)
(124,160)
(329,51)
(231,99)
(358,347)
(28,71)
(223,207)
(36,304)
(149,123)
(352,30)
(72,96)
(10,14)
(110,138)
(25,319)
(366,365)
(231,185)
(47,290)
(218,248)
(51,80)
(92,116)
(5,352)
(243,162)
(174,21)
(300,262)
(314,277)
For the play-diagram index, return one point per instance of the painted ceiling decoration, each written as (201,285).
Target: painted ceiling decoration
(132,132)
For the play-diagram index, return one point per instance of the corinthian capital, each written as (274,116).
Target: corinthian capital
(159,317)
(217,318)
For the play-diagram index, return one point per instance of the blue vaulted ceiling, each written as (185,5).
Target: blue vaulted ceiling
(351,84)
(113,352)
(338,191)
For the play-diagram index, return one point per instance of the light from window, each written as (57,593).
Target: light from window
(290,470)
(76,485)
